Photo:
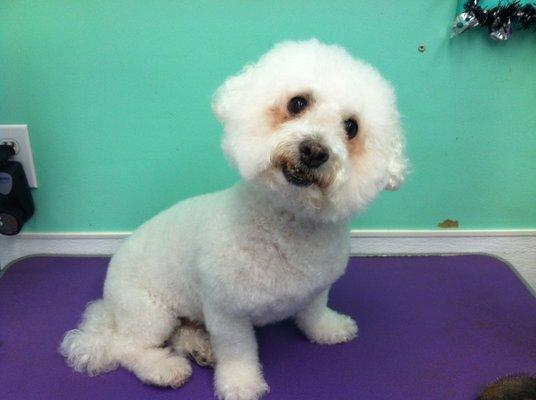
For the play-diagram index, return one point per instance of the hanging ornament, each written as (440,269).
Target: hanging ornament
(500,20)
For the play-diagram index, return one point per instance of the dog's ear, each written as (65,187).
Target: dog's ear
(397,162)
(231,94)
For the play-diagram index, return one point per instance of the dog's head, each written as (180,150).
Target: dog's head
(315,127)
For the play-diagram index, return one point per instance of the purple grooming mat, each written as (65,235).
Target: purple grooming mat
(431,327)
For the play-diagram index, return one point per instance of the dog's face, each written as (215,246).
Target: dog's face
(314,127)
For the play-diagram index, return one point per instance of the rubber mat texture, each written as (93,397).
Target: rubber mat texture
(431,327)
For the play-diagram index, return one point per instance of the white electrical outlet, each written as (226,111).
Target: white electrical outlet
(18,137)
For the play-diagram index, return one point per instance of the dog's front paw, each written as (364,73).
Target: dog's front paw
(239,381)
(331,328)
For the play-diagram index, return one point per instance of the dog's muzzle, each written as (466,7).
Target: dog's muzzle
(312,155)
(298,176)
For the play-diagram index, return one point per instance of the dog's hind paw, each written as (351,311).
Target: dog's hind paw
(160,367)
(192,339)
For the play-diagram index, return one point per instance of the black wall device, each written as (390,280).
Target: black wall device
(16,203)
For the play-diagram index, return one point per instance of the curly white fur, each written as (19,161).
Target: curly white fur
(263,250)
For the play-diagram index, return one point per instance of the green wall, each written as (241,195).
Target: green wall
(117,98)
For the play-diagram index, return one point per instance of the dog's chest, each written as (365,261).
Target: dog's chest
(283,270)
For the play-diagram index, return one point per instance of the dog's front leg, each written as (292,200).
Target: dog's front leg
(323,325)
(238,374)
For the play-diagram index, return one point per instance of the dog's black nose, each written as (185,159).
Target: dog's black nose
(313,154)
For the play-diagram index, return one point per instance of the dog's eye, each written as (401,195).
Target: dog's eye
(297,104)
(350,126)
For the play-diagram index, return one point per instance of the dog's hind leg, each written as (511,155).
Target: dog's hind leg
(192,339)
(157,365)
(127,328)
(143,323)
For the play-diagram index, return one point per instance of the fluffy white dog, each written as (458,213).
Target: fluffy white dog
(315,135)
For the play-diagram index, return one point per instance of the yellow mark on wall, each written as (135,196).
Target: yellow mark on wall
(449,223)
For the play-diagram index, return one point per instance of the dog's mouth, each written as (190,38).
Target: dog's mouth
(298,176)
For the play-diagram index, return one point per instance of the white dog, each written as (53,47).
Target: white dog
(315,135)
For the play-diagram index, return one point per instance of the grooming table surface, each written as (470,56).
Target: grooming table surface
(430,328)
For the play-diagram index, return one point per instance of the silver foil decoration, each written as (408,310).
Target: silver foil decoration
(500,20)
(501,31)
(466,20)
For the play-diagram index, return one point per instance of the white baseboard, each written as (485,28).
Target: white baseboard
(516,247)
(24,245)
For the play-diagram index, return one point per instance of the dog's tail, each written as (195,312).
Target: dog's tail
(92,347)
